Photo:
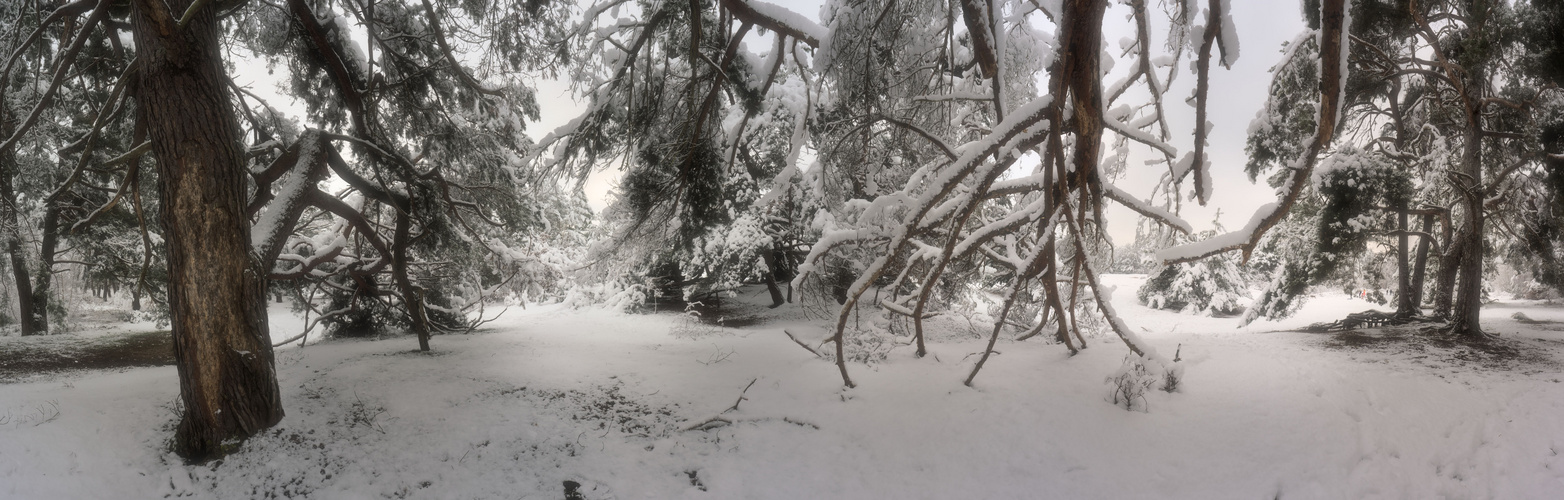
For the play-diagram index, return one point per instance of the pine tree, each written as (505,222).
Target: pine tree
(1213,286)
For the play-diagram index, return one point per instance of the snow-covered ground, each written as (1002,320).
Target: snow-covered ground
(548,395)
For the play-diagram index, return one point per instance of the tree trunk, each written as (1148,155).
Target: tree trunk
(770,258)
(1468,300)
(1444,283)
(1420,270)
(45,279)
(1406,306)
(1052,300)
(412,297)
(13,231)
(19,272)
(215,291)
(841,282)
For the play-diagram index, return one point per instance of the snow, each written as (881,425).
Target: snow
(1138,135)
(348,41)
(1219,242)
(1229,34)
(271,227)
(789,18)
(1342,59)
(956,96)
(551,394)
(1142,206)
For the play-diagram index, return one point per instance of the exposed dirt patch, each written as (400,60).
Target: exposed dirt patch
(1427,345)
(22,357)
(721,314)
(1357,338)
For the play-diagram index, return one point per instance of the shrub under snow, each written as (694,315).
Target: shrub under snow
(1211,287)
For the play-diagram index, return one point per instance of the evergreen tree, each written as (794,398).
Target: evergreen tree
(1213,286)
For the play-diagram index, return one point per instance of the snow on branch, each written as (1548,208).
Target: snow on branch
(278,217)
(1038,208)
(779,19)
(1333,76)
(1138,135)
(1228,40)
(1142,207)
(1219,243)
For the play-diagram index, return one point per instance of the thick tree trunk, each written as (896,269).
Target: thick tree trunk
(45,279)
(1420,269)
(1468,304)
(19,272)
(412,296)
(1467,307)
(12,230)
(215,292)
(1406,305)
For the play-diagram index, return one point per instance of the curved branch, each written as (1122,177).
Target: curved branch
(776,19)
(61,69)
(1332,51)
(873,119)
(456,66)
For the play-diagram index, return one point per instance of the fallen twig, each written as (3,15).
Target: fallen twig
(802,344)
(718,420)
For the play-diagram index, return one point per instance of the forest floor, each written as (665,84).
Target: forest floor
(616,406)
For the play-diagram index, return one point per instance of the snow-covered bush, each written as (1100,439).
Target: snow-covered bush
(614,295)
(1130,383)
(867,346)
(1137,374)
(1213,286)
(694,325)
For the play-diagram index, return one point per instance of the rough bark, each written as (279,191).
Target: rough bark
(216,293)
(1405,305)
(1444,283)
(12,229)
(1420,269)
(412,296)
(975,14)
(48,245)
(1082,78)
(1465,317)
(1467,305)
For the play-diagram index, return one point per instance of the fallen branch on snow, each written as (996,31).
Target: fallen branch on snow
(802,344)
(719,420)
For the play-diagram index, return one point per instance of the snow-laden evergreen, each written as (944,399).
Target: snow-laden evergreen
(1213,287)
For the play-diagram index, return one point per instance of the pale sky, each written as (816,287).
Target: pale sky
(1235,96)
